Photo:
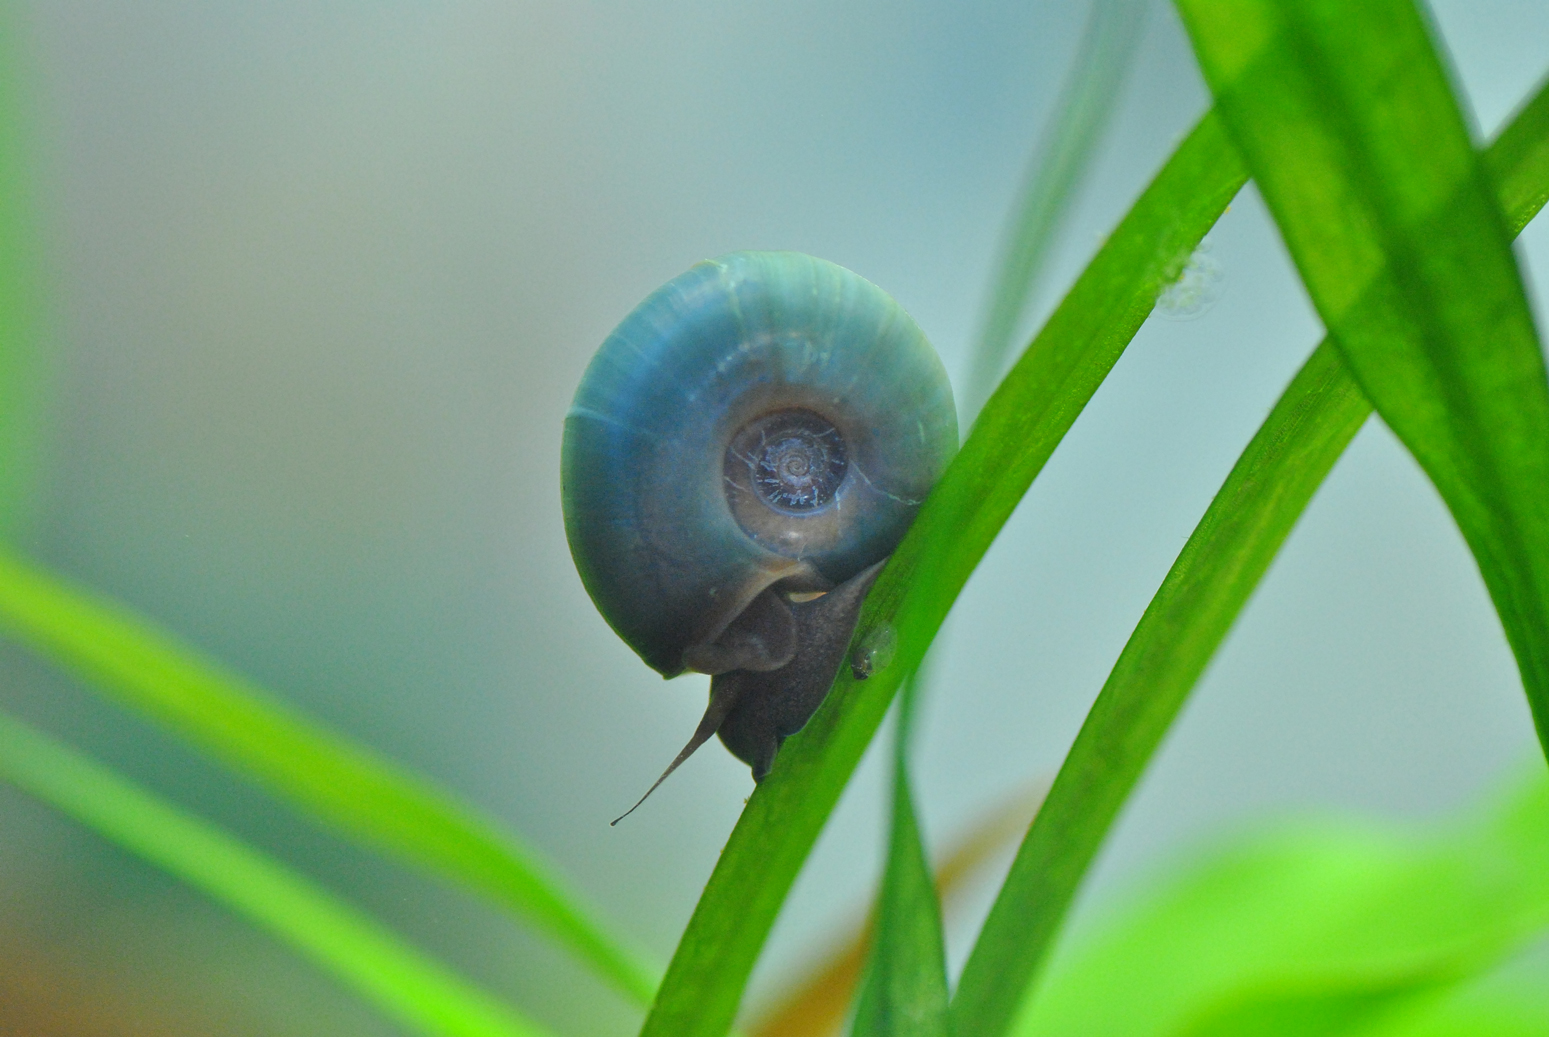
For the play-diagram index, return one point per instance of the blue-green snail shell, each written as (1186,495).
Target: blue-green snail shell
(764,418)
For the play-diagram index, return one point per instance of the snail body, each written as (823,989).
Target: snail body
(755,435)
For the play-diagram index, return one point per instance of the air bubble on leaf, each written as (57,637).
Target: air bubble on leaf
(1196,288)
(874,652)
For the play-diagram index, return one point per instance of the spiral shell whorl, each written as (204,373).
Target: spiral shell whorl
(764,416)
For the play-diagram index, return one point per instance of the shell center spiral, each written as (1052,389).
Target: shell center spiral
(794,460)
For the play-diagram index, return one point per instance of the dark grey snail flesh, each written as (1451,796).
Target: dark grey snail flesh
(755,710)
(743,453)
(763,708)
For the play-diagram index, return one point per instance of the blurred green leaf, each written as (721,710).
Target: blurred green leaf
(1081,115)
(1510,1001)
(1316,928)
(1345,116)
(400,981)
(1335,1007)
(1015,434)
(1225,557)
(349,788)
(905,990)
(23,395)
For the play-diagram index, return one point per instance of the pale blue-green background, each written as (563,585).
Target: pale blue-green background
(325,276)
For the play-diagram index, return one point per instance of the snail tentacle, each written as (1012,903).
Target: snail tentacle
(721,702)
(755,711)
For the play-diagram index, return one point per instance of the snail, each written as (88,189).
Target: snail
(743,453)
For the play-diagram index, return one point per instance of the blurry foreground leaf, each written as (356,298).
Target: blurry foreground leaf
(1511,1001)
(1204,591)
(409,987)
(1345,116)
(23,399)
(351,789)
(1315,928)
(1333,1006)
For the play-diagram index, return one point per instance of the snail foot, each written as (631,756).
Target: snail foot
(766,707)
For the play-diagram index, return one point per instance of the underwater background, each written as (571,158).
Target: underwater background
(321,280)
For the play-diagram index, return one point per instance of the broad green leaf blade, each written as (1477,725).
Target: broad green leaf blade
(905,992)
(408,986)
(1015,434)
(1345,116)
(1081,115)
(1225,557)
(1314,928)
(23,395)
(348,787)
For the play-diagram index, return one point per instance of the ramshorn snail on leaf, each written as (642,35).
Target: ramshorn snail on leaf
(742,454)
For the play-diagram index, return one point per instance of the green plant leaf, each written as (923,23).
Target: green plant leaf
(1511,1001)
(816,1004)
(1311,928)
(1014,435)
(127,657)
(406,985)
(23,381)
(1333,1007)
(1223,560)
(1344,114)
(905,991)
(351,789)
(1081,115)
